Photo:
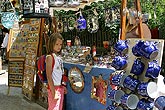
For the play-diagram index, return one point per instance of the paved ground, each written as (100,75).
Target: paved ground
(15,100)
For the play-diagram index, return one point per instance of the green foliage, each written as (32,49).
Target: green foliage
(157,11)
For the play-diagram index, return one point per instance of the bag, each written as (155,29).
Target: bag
(41,64)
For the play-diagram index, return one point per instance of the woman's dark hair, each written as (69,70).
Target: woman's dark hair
(5,30)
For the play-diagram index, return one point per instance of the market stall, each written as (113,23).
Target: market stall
(97,57)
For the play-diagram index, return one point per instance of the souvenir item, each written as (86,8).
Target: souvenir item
(115,95)
(119,62)
(147,89)
(160,103)
(7,6)
(65,25)
(153,69)
(59,26)
(112,107)
(131,83)
(118,79)
(92,23)
(143,104)
(137,67)
(69,43)
(81,22)
(106,44)
(149,50)
(76,79)
(77,41)
(99,89)
(94,49)
(2,5)
(130,100)
(74,3)
(107,17)
(8,19)
(121,46)
(28,7)
(71,23)
(57,3)
(137,47)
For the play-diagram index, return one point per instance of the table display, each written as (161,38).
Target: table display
(86,101)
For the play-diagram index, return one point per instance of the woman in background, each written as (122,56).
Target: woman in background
(4,43)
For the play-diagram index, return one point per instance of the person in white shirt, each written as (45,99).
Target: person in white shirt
(4,43)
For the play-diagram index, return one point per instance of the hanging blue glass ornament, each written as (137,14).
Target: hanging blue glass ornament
(81,22)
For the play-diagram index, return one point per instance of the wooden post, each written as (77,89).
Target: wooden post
(140,28)
(123,19)
(41,37)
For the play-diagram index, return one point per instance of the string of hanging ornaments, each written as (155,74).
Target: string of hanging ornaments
(90,21)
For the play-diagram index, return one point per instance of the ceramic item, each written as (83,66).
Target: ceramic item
(92,23)
(8,19)
(131,83)
(160,103)
(121,46)
(112,107)
(115,95)
(143,104)
(59,26)
(118,79)
(71,23)
(137,47)
(149,50)
(119,62)
(73,3)
(153,69)
(137,67)
(148,89)
(81,22)
(57,3)
(130,100)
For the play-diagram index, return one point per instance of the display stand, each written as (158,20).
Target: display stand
(141,75)
(16,54)
(123,19)
(30,58)
(15,73)
(41,89)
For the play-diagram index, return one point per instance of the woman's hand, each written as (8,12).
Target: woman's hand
(56,97)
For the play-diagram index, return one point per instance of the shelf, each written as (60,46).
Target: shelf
(16,59)
(30,66)
(15,79)
(36,15)
(20,68)
(15,85)
(16,73)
